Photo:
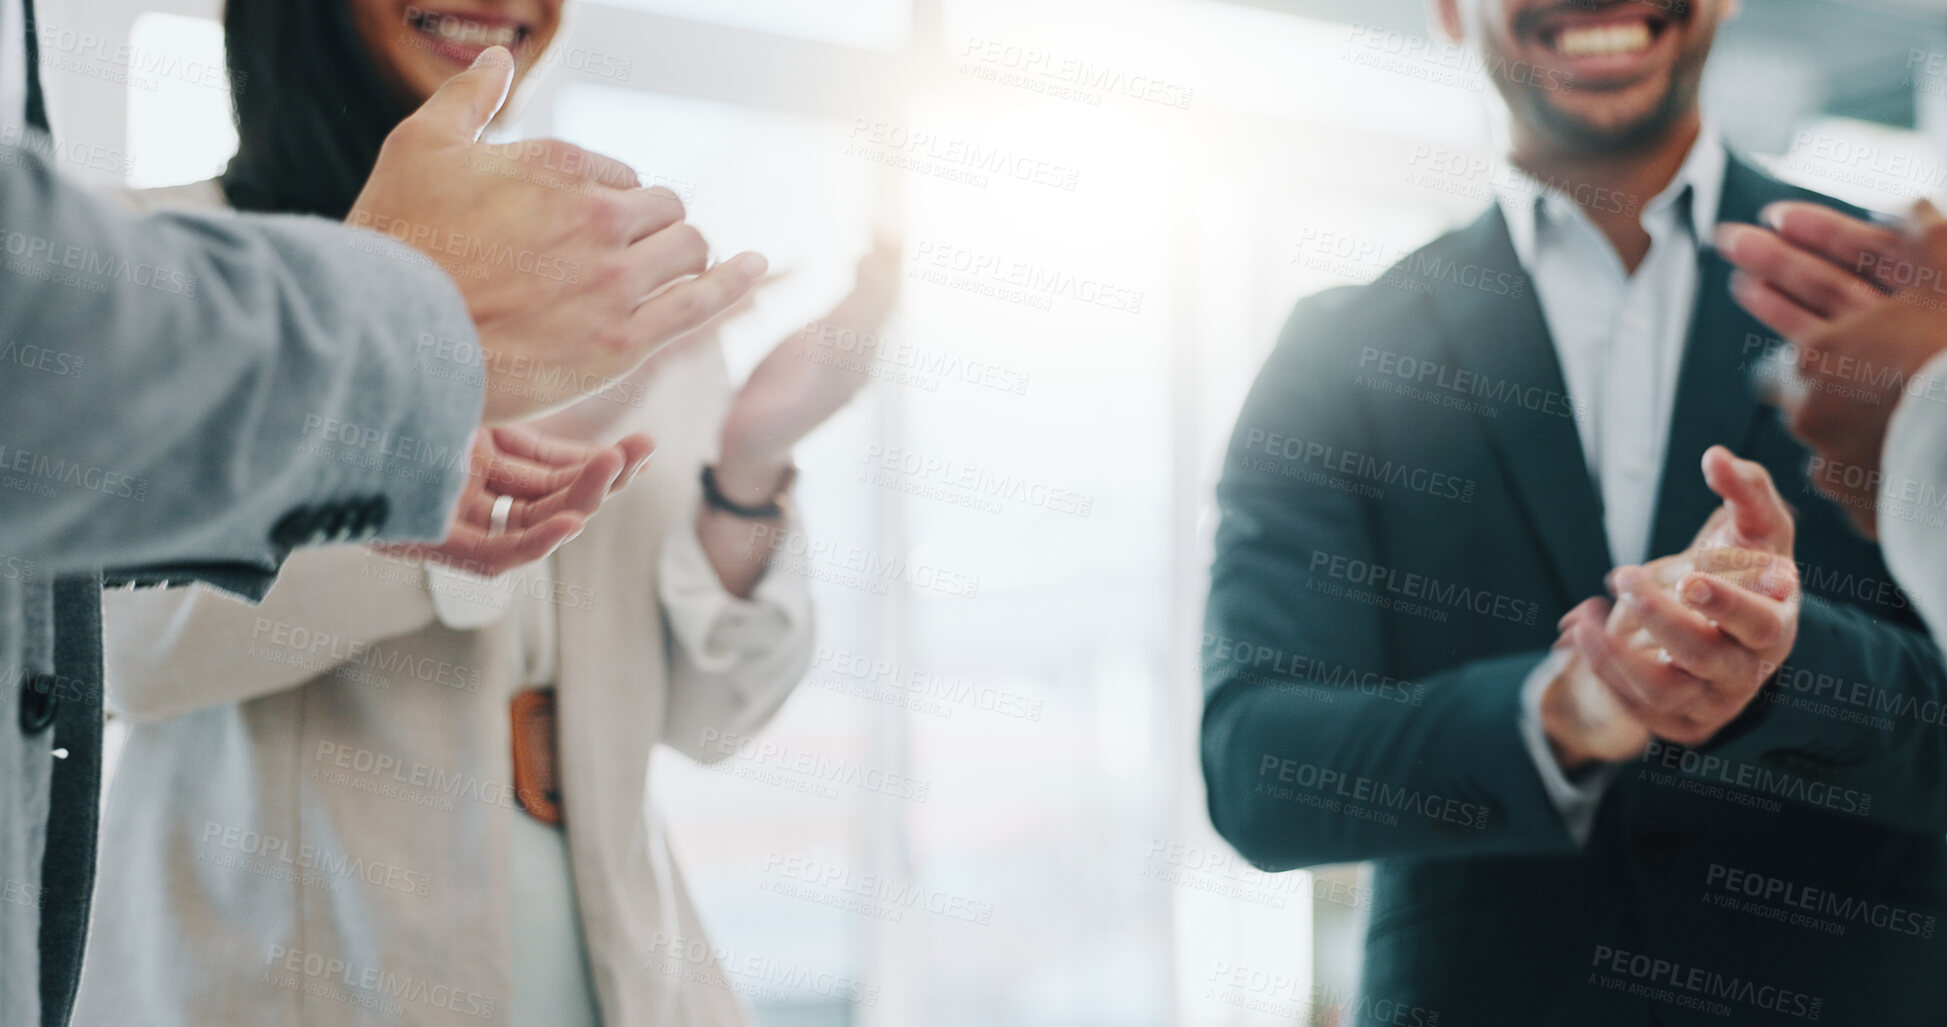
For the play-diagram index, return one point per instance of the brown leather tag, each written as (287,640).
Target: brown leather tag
(537,781)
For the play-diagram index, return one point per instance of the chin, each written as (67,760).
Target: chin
(1620,125)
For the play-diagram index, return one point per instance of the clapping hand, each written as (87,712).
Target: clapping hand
(1865,307)
(1690,638)
(526,493)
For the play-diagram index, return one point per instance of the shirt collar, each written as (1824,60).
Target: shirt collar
(1526,200)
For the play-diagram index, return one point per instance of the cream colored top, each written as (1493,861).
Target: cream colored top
(309,823)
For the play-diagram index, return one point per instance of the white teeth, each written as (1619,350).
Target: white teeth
(471,33)
(1604,40)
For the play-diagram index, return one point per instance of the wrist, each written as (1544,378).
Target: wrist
(752,478)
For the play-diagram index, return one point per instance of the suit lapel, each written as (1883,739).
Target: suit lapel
(1715,402)
(1505,339)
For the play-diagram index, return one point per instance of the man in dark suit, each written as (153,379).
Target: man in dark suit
(1432,470)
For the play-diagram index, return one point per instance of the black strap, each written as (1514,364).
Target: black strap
(36,107)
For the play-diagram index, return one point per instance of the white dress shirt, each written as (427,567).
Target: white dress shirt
(1619,337)
(1913,498)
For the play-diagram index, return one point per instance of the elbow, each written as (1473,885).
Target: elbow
(1250,805)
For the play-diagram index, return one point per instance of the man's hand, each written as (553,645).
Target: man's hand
(1684,659)
(554,486)
(1865,307)
(788,394)
(572,272)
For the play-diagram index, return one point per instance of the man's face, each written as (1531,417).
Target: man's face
(1599,76)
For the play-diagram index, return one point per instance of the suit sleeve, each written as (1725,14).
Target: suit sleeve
(174,385)
(1311,753)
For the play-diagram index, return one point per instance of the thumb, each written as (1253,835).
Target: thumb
(1758,513)
(468,101)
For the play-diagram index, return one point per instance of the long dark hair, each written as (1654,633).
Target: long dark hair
(311,107)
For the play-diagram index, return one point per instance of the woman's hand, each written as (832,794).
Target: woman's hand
(553,486)
(789,394)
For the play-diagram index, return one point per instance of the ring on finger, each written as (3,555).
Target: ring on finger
(497,521)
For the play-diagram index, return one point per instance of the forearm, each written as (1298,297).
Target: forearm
(228,350)
(1303,774)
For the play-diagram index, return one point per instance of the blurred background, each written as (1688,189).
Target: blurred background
(1108,207)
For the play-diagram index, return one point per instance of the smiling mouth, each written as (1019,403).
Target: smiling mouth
(465,32)
(1621,31)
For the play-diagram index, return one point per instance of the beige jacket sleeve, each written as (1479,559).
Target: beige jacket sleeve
(733,661)
(166,652)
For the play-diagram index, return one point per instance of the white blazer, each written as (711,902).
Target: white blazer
(309,822)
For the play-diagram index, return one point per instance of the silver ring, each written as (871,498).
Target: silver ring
(497,521)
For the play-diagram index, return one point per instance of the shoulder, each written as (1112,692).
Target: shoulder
(1396,303)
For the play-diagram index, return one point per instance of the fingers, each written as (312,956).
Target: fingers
(1779,312)
(1858,247)
(686,306)
(1695,644)
(1758,513)
(1649,687)
(1815,283)
(470,549)
(660,261)
(1758,622)
(591,485)
(1593,610)
(530,443)
(467,102)
(636,450)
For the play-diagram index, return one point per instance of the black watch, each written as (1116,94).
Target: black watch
(714,498)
